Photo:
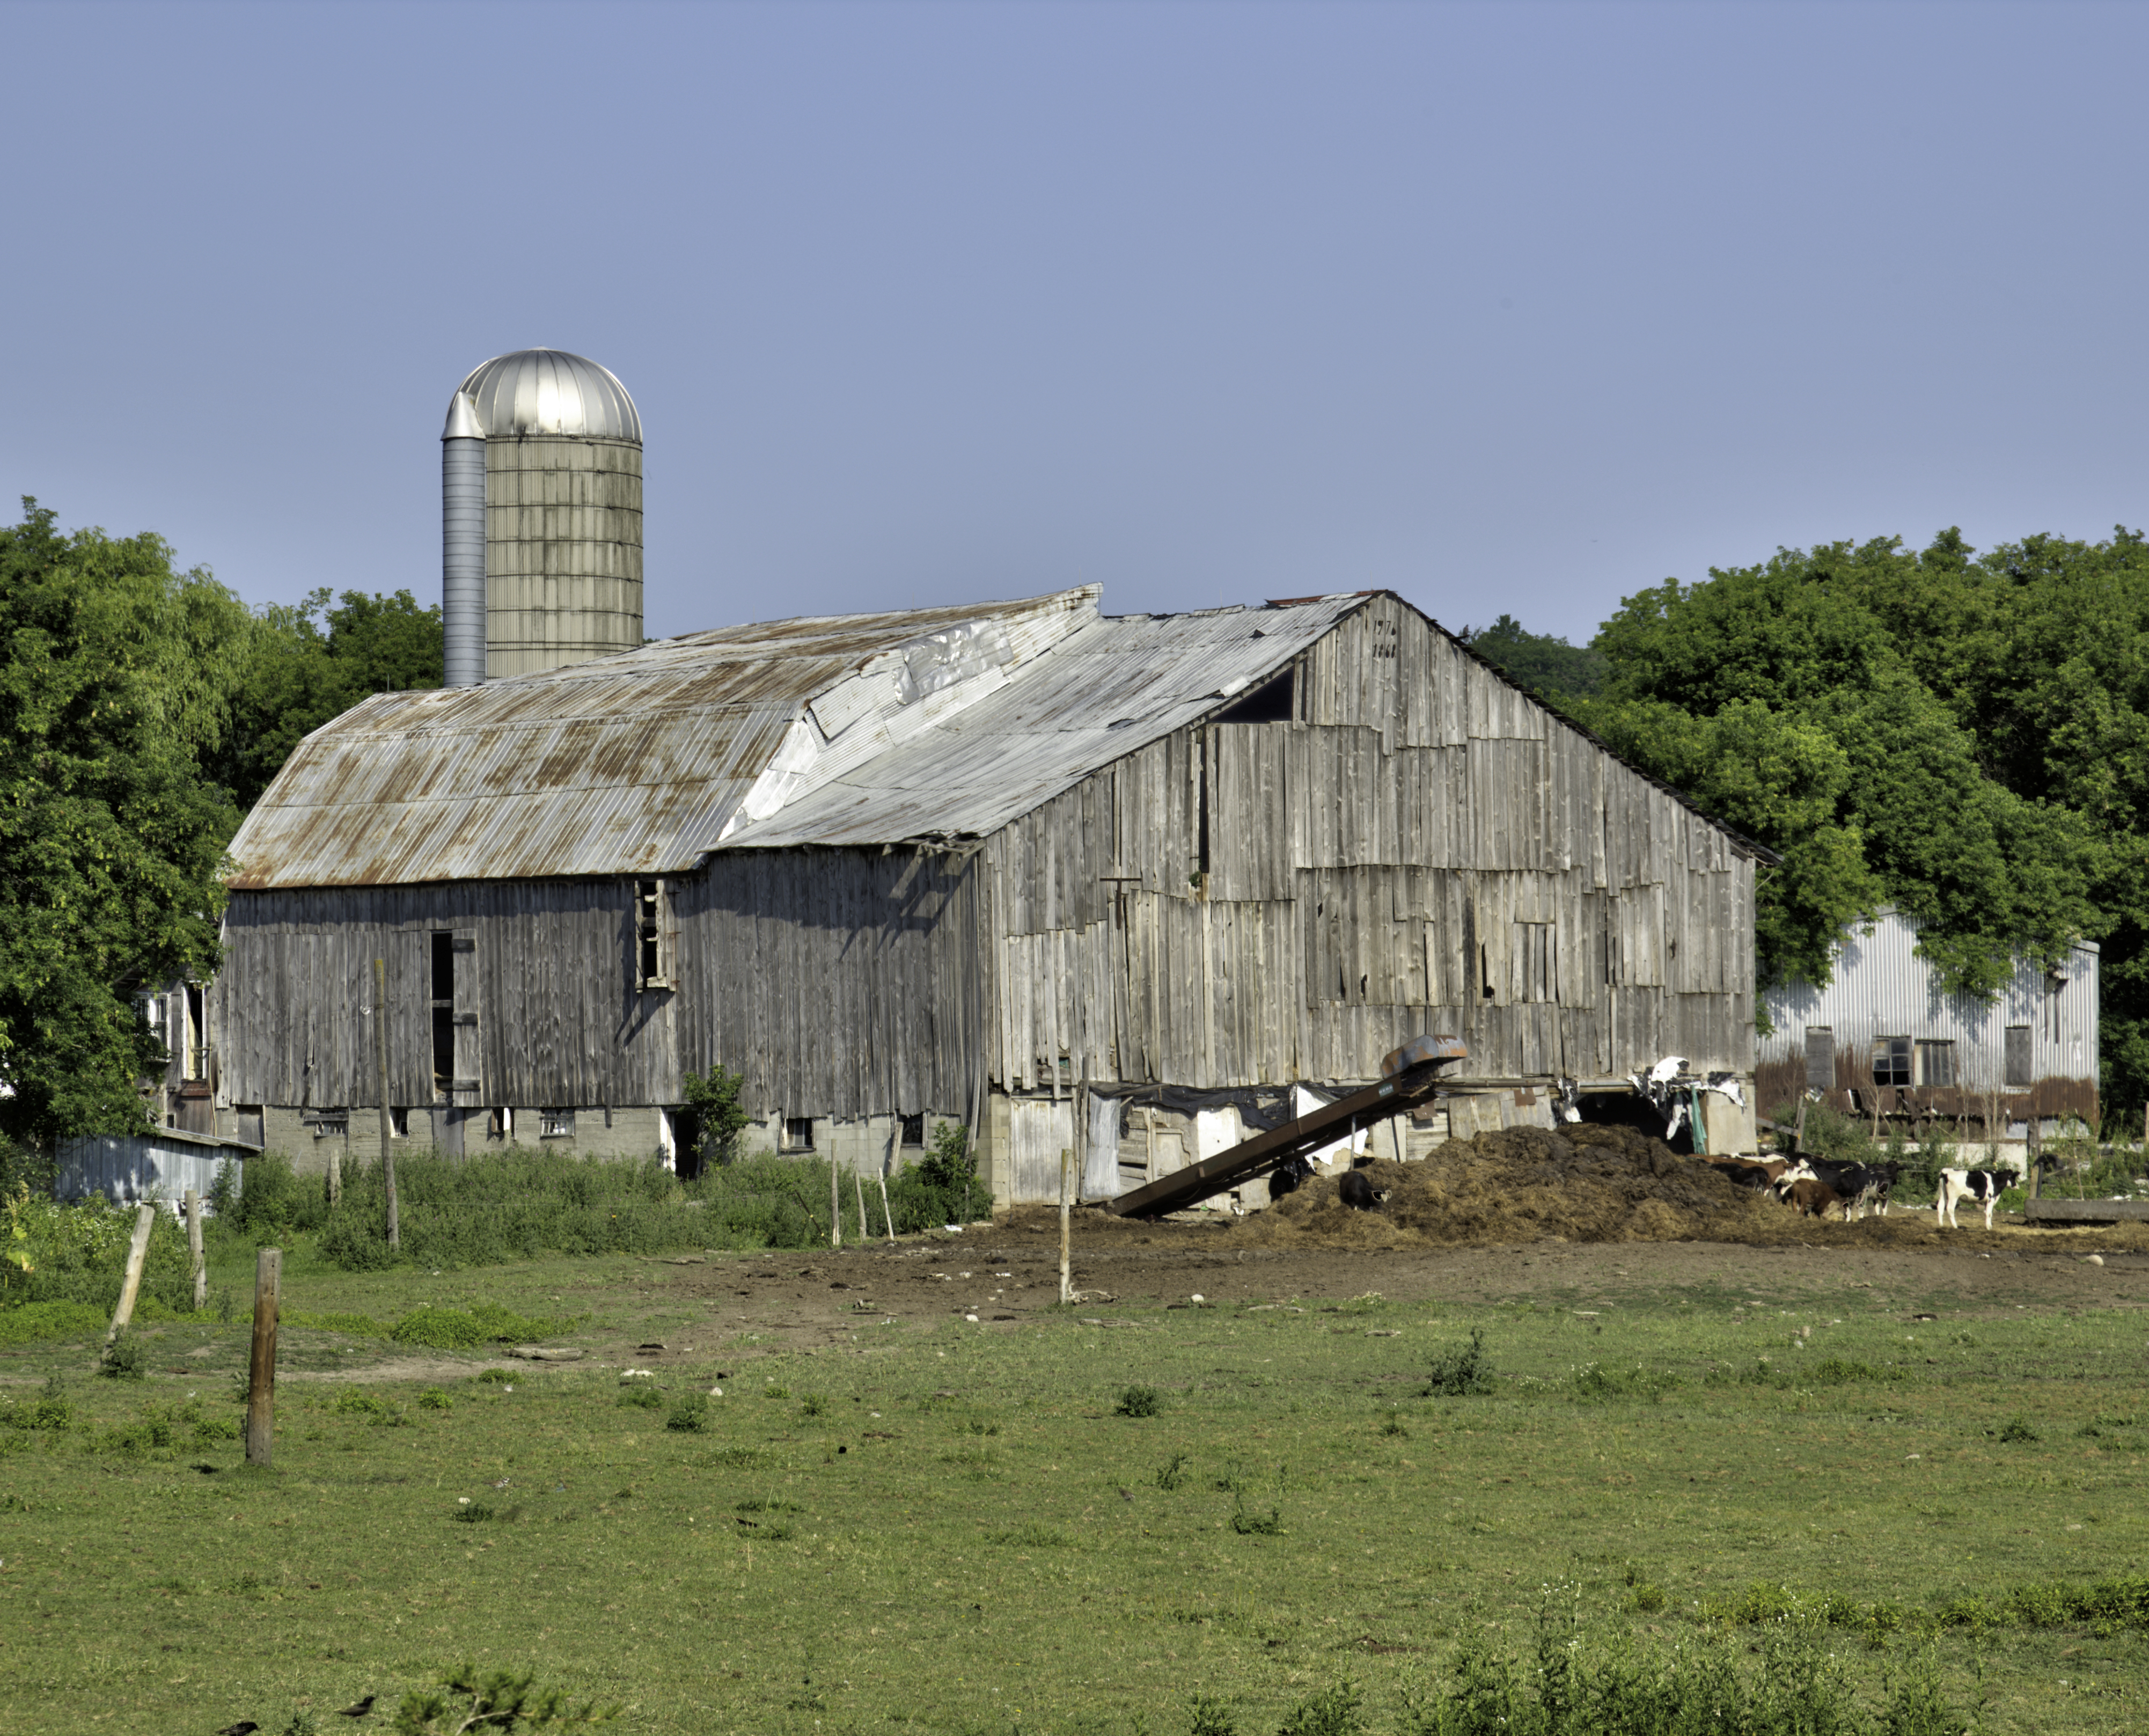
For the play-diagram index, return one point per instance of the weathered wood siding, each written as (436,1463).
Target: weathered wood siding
(561,1021)
(1421,847)
(841,982)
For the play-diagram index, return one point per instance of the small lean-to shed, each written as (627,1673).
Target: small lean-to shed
(1113,883)
(1883,1040)
(130,1169)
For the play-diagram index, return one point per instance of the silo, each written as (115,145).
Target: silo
(562,511)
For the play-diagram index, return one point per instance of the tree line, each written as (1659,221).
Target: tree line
(1965,736)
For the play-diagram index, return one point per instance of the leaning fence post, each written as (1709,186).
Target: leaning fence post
(196,1261)
(885,1211)
(1066,1214)
(835,1204)
(138,1250)
(261,1371)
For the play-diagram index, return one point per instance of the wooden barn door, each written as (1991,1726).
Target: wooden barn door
(1040,1128)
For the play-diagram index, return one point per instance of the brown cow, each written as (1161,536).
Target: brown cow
(1813,1198)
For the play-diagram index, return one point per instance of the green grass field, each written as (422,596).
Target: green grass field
(953,1527)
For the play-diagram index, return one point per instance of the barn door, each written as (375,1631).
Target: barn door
(466,1087)
(1040,1128)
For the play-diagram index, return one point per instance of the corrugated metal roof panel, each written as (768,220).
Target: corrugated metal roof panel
(627,764)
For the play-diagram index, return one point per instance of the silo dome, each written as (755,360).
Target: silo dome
(551,391)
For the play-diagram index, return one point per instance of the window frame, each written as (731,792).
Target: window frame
(1901,1054)
(786,1134)
(903,1141)
(1926,1047)
(558,1123)
(652,950)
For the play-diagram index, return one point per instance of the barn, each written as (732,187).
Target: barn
(1885,1041)
(1128,885)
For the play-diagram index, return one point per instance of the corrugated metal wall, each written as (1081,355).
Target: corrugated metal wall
(1882,989)
(128,1170)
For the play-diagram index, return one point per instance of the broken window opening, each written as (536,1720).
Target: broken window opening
(1201,807)
(555,1124)
(797,1133)
(1275,700)
(913,1130)
(197,1033)
(444,1012)
(399,1124)
(652,968)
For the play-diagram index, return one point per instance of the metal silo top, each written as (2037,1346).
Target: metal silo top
(550,391)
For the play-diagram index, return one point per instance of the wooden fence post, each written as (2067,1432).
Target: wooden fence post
(865,1230)
(261,1371)
(886,1210)
(835,1203)
(138,1250)
(196,1261)
(1066,1214)
(380,1077)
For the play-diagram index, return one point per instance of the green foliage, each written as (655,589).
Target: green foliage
(691,1415)
(1337,1711)
(1206,1715)
(1172,1474)
(266,1200)
(433,1399)
(1965,737)
(116,673)
(122,1359)
(941,1188)
(719,1117)
(1594,1381)
(1546,666)
(1138,1402)
(517,1204)
(641,1395)
(308,663)
(1249,1523)
(1459,1372)
(76,1254)
(459,1329)
(2017,1431)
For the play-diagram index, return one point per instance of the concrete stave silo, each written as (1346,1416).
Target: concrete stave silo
(562,561)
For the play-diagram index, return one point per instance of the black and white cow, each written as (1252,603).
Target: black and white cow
(1980,1187)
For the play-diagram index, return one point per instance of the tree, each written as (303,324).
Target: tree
(1546,666)
(1966,738)
(309,663)
(116,673)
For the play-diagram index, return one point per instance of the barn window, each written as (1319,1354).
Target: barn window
(399,1124)
(500,1124)
(2021,1069)
(555,1124)
(1891,1060)
(797,1133)
(1935,1062)
(652,968)
(913,1130)
(1820,1057)
(197,1033)
(444,1011)
(329,1124)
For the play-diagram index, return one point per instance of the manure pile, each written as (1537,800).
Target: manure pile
(1585,1182)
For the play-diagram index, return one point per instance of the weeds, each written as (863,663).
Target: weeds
(2017,1430)
(691,1415)
(1336,1711)
(1137,1402)
(122,1359)
(1172,1476)
(1461,1371)
(641,1395)
(1207,1716)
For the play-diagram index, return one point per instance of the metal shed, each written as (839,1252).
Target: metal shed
(129,1169)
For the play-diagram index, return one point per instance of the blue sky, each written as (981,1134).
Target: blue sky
(1507,308)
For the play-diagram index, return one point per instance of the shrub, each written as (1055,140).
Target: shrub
(942,1187)
(77,1253)
(1459,1372)
(352,1402)
(1249,1524)
(1338,1712)
(1137,1402)
(122,1359)
(719,1117)
(457,1329)
(1170,1477)
(266,1199)
(691,1415)
(2017,1428)
(1207,1716)
(641,1395)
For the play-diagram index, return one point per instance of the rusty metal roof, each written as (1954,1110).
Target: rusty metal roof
(628,764)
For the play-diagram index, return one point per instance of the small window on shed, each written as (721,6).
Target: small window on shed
(1820,1057)
(1891,1060)
(652,969)
(2022,1068)
(555,1124)
(399,1124)
(1935,1062)
(797,1133)
(913,1130)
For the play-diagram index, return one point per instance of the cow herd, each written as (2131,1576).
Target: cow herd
(1819,1187)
